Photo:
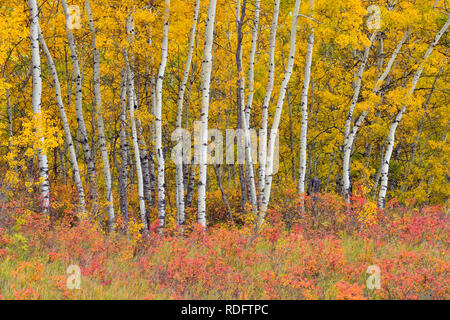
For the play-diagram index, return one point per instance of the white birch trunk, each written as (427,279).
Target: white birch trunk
(347,147)
(65,122)
(265,106)
(205,87)
(376,89)
(123,150)
(79,104)
(143,152)
(158,122)
(250,179)
(251,66)
(44,187)
(277,117)
(179,166)
(100,124)
(304,112)
(131,108)
(398,117)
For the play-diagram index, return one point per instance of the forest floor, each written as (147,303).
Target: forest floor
(322,253)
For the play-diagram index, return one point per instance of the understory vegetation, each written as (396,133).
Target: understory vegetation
(322,252)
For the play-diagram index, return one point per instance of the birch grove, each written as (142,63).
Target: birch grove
(118,89)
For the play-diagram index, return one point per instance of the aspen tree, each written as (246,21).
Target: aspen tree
(277,116)
(351,136)
(158,122)
(398,117)
(347,147)
(65,122)
(205,87)
(251,63)
(131,108)
(266,102)
(44,187)
(304,111)
(181,93)
(100,124)
(84,140)
(123,149)
(250,181)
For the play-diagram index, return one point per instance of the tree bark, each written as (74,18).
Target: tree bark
(84,140)
(266,102)
(277,117)
(44,187)
(304,112)
(65,122)
(243,119)
(179,166)
(123,150)
(347,147)
(158,122)
(100,124)
(205,85)
(132,107)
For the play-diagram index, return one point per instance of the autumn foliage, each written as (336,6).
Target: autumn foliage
(322,253)
(337,175)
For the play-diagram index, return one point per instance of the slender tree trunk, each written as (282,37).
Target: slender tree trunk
(394,125)
(330,171)
(151,157)
(123,150)
(65,122)
(132,107)
(44,187)
(190,186)
(179,166)
(224,196)
(304,111)
(240,83)
(244,124)
(205,84)
(251,64)
(378,175)
(144,155)
(266,102)
(158,122)
(277,117)
(347,147)
(100,124)
(352,135)
(79,108)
